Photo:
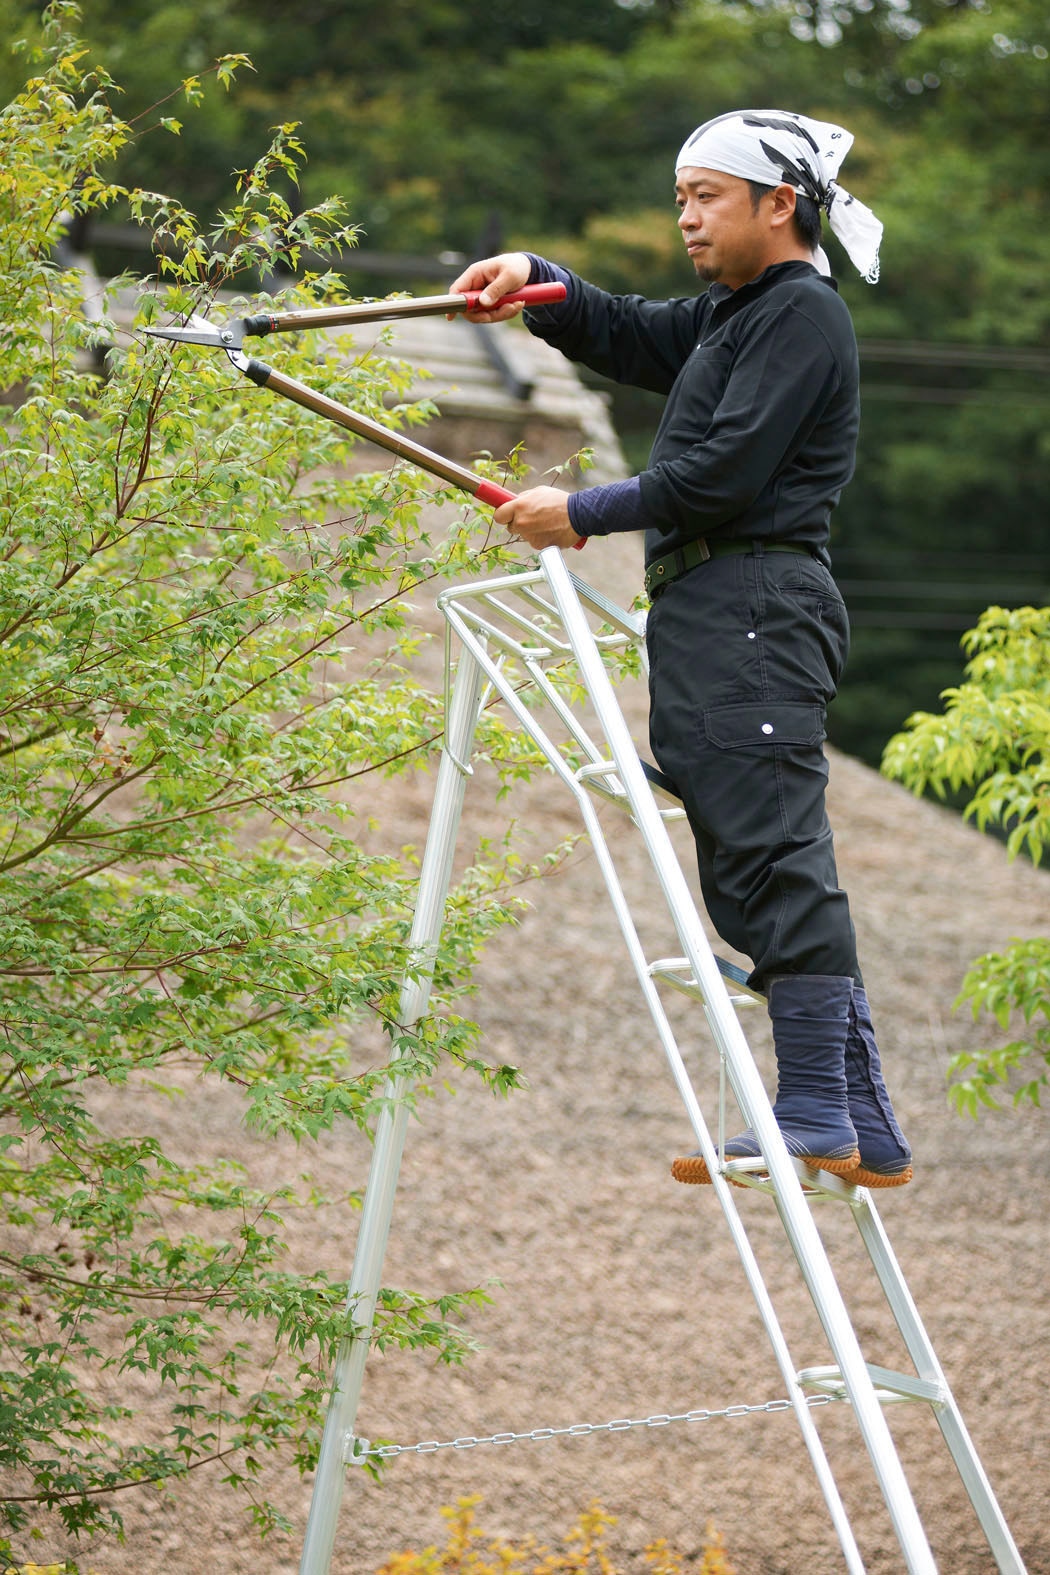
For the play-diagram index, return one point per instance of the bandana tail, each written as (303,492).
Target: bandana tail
(858,229)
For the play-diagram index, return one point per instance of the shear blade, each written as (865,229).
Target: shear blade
(198,331)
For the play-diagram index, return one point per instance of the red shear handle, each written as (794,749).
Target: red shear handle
(529,294)
(488,492)
(491,493)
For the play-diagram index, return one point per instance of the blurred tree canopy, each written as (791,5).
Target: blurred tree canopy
(553,126)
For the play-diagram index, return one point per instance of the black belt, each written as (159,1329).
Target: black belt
(663,570)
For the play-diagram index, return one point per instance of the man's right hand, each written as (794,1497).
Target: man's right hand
(495,277)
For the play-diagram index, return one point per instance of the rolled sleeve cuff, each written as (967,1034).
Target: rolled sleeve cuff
(599,511)
(544,272)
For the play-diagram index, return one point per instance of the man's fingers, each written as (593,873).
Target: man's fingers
(473,278)
(496,313)
(504,282)
(495,277)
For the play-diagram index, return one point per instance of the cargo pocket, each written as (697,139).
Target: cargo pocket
(753,723)
(766,774)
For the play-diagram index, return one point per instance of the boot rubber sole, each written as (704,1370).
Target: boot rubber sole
(692,1170)
(862,1177)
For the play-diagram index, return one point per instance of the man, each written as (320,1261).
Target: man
(747,633)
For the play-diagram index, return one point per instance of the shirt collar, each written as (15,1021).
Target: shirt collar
(771,275)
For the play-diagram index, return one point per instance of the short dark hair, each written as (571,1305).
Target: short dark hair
(807,214)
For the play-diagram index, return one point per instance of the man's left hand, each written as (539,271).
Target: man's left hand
(540,517)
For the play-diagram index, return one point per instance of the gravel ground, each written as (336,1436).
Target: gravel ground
(617,1293)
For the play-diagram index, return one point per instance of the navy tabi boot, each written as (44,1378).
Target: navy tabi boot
(885,1158)
(810,1014)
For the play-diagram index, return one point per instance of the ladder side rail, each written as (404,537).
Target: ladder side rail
(572,724)
(391,1128)
(949,1417)
(723,1190)
(800,1228)
(530,725)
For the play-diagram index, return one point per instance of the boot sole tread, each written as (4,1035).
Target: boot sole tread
(692,1171)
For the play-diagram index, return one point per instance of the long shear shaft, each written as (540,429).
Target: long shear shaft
(445,469)
(231,335)
(382,311)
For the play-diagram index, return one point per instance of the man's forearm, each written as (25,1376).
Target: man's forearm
(601,511)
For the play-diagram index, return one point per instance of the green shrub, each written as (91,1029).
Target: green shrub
(994,737)
(205,642)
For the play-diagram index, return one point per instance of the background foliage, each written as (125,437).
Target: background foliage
(993,740)
(205,642)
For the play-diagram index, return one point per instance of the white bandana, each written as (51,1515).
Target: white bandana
(776,147)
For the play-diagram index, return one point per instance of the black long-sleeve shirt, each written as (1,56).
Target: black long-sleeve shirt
(759,432)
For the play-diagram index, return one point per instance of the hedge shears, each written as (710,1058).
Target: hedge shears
(231,336)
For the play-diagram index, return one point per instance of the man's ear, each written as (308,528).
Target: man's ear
(782,209)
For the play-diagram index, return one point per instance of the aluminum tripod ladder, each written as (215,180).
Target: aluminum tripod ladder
(531,631)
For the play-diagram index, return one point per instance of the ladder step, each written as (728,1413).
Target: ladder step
(677,972)
(818,1185)
(602,780)
(889,1386)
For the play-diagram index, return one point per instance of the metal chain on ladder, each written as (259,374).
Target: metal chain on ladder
(360,1449)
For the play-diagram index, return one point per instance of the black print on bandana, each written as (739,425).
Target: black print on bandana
(773,123)
(801,173)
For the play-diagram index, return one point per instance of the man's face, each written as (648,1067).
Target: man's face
(727,239)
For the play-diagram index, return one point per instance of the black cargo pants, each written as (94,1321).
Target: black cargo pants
(745,652)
